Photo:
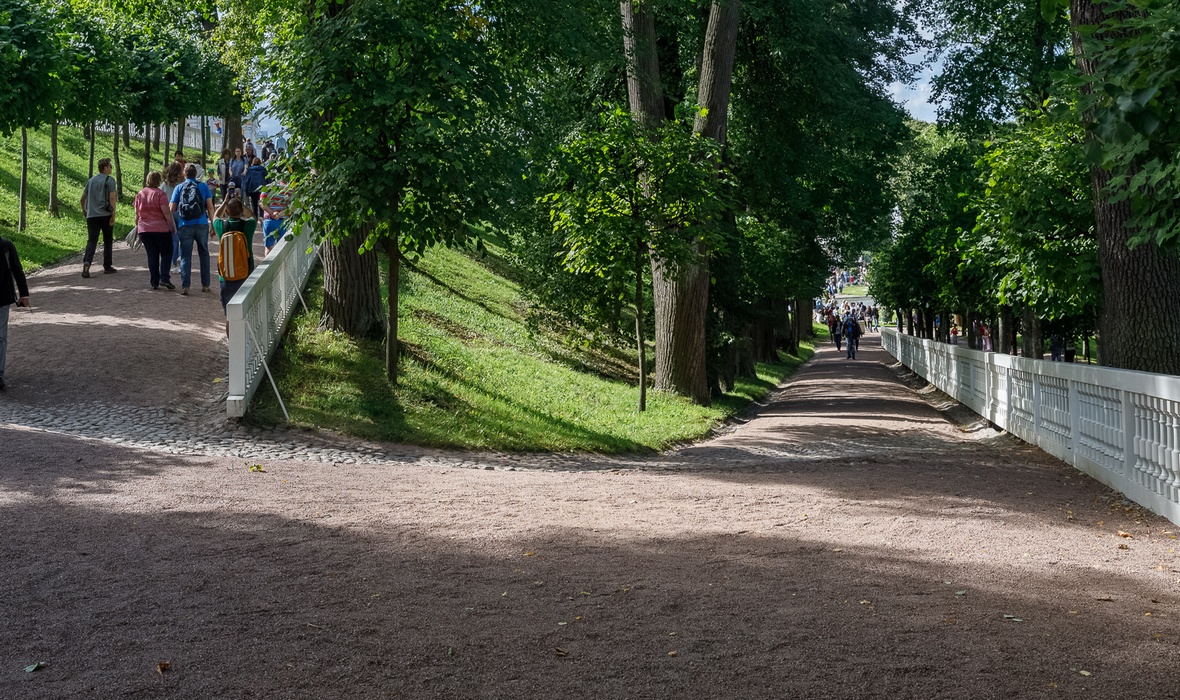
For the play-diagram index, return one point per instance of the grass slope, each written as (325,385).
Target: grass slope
(475,374)
(48,239)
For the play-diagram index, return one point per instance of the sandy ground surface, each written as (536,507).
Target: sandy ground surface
(847,541)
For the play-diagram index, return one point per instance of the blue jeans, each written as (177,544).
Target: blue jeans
(3,338)
(198,234)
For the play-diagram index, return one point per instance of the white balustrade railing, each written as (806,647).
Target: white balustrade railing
(1118,426)
(258,315)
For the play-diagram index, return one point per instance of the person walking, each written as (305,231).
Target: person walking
(851,335)
(233,215)
(254,180)
(223,171)
(194,202)
(237,168)
(154,218)
(173,176)
(99,198)
(10,272)
(274,205)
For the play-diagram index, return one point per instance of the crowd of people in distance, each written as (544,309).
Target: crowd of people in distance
(175,214)
(843,278)
(847,322)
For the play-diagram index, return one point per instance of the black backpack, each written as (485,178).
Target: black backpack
(190,205)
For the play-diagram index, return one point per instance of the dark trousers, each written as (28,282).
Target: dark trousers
(94,226)
(255,197)
(159,254)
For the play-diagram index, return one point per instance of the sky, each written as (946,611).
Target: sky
(916,98)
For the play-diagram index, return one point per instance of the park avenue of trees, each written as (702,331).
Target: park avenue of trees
(683,171)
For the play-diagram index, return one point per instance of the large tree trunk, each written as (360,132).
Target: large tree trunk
(1138,327)
(118,163)
(641,346)
(147,153)
(1032,343)
(716,67)
(53,167)
(155,137)
(21,220)
(394,258)
(352,289)
(167,147)
(93,128)
(643,63)
(232,138)
(205,138)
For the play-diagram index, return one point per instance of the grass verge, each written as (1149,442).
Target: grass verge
(476,374)
(47,239)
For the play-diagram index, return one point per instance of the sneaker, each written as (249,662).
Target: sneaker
(167,285)
(206,289)
(109,270)
(184,291)
(86,270)
(154,287)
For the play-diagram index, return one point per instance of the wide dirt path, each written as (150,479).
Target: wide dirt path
(847,541)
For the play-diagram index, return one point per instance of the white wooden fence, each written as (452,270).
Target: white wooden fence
(192,138)
(1118,426)
(258,315)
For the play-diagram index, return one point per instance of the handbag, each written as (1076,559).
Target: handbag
(133,241)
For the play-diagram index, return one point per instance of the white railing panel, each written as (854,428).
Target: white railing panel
(1119,426)
(259,313)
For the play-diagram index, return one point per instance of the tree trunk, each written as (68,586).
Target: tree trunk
(640,345)
(716,68)
(909,321)
(167,146)
(643,63)
(205,138)
(352,289)
(1032,343)
(118,163)
(21,220)
(394,255)
(181,130)
(156,137)
(93,128)
(53,167)
(147,152)
(681,297)
(1137,323)
(126,134)
(232,139)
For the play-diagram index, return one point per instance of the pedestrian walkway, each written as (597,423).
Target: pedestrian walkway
(854,537)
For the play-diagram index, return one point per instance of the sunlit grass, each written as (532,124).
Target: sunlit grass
(474,374)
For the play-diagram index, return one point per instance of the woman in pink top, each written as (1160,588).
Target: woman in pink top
(154,219)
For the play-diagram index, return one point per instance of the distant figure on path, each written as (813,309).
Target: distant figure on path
(98,205)
(253,182)
(154,217)
(852,335)
(985,338)
(10,272)
(194,202)
(233,215)
(223,171)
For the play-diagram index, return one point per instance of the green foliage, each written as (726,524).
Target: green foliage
(1133,97)
(1034,239)
(476,374)
(385,102)
(623,188)
(30,61)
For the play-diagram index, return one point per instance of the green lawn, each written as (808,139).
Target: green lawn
(474,374)
(855,290)
(48,239)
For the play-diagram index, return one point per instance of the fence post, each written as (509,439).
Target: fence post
(1074,419)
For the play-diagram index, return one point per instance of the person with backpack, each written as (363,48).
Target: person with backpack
(194,202)
(234,225)
(851,335)
(10,293)
(98,204)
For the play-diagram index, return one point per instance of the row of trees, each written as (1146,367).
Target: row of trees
(96,62)
(1045,201)
(693,166)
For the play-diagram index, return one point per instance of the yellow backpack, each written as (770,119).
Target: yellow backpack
(233,254)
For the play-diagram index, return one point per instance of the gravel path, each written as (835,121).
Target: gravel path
(856,537)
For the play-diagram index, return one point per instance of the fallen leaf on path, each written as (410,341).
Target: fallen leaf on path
(163,666)
(217,380)
(960,592)
(1126,534)
(36,667)
(837,549)
(866,602)
(1084,673)
(530,554)
(1105,598)
(559,652)
(1123,546)
(673,653)
(257,468)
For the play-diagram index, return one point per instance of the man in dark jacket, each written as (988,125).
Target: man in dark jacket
(10,272)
